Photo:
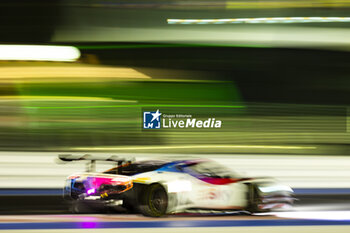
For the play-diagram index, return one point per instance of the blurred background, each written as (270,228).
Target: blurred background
(275,72)
(280,85)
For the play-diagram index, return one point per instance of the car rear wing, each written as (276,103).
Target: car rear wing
(91,160)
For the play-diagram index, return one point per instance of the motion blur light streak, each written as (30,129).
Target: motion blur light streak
(166,45)
(218,4)
(314,175)
(194,147)
(39,53)
(261,20)
(317,215)
(67,73)
(286,4)
(143,106)
(255,35)
(59,98)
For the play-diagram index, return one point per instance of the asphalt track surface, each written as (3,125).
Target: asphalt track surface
(312,213)
(140,223)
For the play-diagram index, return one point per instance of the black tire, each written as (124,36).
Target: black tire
(153,201)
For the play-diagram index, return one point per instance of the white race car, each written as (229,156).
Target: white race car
(159,187)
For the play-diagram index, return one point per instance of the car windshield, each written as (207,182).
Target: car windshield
(210,169)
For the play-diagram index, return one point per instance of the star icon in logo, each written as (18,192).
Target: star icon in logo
(156,115)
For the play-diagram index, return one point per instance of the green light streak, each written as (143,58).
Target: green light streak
(142,105)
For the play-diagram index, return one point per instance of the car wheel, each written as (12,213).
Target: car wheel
(154,201)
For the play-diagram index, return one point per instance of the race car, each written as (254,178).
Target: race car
(159,187)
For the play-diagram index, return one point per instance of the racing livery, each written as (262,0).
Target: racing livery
(158,187)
